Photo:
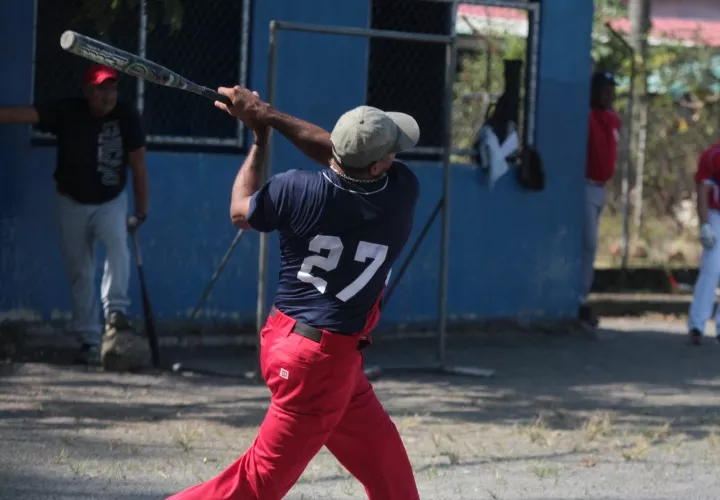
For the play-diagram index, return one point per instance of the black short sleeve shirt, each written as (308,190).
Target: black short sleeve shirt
(92,152)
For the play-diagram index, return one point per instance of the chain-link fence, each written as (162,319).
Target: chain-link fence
(209,46)
(417,69)
(489,32)
(488,35)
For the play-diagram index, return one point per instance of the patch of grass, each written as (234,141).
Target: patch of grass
(637,451)
(77,468)
(185,437)
(432,472)
(69,440)
(599,425)
(409,423)
(648,438)
(713,440)
(452,456)
(348,488)
(538,432)
(451,453)
(545,471)
(660,433)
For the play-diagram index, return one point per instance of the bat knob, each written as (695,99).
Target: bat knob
(67,39)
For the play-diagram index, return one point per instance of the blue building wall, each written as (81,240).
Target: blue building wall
(512,252)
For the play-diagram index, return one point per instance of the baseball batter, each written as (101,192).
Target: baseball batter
(340,231)
(707,178)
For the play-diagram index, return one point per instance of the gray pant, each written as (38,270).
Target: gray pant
(594,203)
(81,226)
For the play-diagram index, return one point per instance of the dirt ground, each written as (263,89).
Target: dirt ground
(633,414)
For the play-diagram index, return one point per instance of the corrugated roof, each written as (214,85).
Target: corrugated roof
(701,31)
(687,30)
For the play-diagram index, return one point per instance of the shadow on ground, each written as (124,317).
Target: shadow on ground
(17,484)
(645,377)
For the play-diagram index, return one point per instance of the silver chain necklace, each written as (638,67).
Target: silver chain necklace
(359,181)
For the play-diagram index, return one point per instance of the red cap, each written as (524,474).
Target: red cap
(97,73)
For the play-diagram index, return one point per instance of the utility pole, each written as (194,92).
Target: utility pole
(640,21)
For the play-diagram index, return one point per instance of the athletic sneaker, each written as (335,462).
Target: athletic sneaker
(88,355)
(118,321)
(695,337)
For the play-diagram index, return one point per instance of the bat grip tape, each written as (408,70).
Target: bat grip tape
(214,96)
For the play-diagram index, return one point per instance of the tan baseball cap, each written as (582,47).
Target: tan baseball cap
(365,135)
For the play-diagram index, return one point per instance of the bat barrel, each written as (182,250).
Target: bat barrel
(67,40)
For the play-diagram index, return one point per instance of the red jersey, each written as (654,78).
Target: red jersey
(708,172)
(604,135)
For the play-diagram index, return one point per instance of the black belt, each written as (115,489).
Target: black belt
(315,334)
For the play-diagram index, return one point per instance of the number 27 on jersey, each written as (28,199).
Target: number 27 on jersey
(365,252)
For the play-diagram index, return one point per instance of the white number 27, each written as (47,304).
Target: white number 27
(365,250)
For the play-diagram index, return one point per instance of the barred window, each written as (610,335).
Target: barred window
(410,76)
(210,48)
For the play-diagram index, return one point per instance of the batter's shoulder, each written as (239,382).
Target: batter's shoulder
(296,179)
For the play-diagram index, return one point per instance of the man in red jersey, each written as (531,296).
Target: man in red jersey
(604,135)
(707,179)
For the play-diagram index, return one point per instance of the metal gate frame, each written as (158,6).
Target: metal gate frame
(440,365)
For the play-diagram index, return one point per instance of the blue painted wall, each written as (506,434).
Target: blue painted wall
(512,252)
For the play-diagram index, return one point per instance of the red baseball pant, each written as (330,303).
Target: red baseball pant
(320,396)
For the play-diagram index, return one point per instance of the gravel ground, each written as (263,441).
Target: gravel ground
(632,415)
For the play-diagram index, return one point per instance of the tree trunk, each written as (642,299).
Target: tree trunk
(640,20)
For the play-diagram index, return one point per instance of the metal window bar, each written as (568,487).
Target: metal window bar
(451,52)
(533,49)
(239,138)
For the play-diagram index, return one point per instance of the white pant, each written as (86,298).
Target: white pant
(707,281)
(594,203)
(81,226)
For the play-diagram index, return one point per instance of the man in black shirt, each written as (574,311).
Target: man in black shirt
(98,138)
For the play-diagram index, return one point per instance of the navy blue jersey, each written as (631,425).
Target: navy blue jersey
(338,241)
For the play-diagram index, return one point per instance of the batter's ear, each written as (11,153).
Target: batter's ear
(381,166)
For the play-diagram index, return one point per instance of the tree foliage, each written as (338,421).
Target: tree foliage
(684,113)
(102,12)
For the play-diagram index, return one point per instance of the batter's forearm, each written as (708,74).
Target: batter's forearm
(311,140)
(247,182)
(19,114)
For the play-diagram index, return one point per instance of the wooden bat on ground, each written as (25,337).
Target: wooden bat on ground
(147,310)
(132,64)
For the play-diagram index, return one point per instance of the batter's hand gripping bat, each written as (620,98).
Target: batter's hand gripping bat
(133,65)
(147,310)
